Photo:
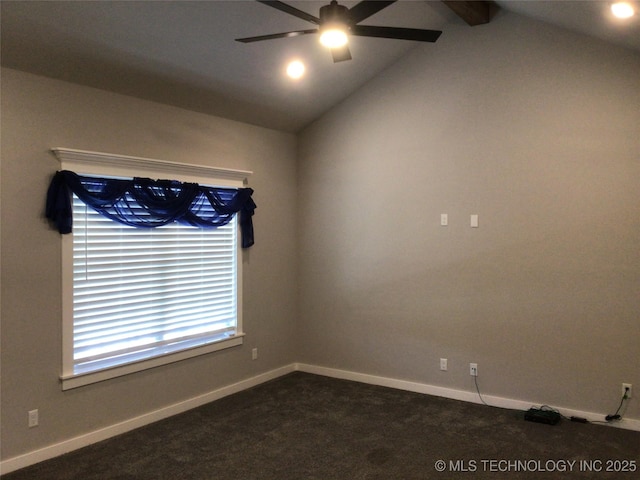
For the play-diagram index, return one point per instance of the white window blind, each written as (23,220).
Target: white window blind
(140,293)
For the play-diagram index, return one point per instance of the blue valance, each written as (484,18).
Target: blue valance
(142,202)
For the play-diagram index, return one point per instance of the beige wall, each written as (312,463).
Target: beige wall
(38,114)
(537,131)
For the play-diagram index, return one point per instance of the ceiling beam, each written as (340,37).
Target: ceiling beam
(473,12)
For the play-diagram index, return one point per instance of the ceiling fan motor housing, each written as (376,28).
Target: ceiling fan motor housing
(334,14)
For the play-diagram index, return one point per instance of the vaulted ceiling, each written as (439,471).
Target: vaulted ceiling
(184,53)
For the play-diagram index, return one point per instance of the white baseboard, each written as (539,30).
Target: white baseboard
(466,396)
(75,443)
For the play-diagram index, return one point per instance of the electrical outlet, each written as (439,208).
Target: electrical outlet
(33,418)
(473,369)
(624,389)
(443,364)
(254,354)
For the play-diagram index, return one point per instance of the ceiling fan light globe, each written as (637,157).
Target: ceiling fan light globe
(334,37)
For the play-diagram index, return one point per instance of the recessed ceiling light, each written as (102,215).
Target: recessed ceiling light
(295,69)
(622,9)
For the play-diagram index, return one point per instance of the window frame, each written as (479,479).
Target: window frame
(98,163)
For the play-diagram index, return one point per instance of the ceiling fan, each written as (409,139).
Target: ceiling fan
(336,22)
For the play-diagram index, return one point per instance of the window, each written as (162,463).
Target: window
(136,298)
(140,293)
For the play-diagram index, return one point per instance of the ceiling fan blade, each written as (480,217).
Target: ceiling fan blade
(397,33)
(367,8)
(283,7)
(341,54)
(276,35)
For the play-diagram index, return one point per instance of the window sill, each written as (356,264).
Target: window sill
(74,381)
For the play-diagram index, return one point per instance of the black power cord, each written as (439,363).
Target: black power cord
(548,409)
(617,416)
(475,379)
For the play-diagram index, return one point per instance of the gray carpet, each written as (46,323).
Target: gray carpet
(304,426)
